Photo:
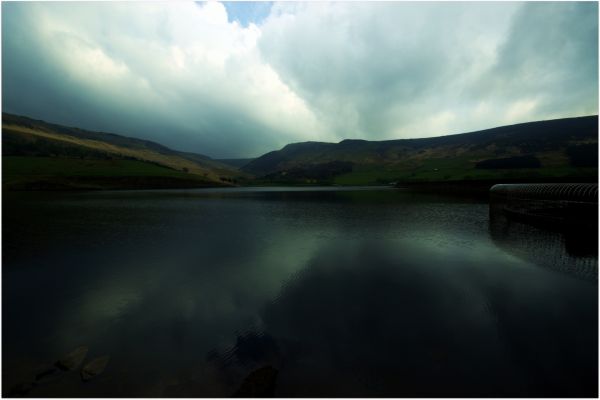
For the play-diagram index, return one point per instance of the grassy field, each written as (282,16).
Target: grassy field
(453,169)
(28,173)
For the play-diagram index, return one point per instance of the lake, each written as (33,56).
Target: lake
(338,291)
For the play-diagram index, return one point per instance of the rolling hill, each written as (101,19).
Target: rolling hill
(555,149)
(41,155)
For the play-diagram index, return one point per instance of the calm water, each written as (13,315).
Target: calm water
(353,292)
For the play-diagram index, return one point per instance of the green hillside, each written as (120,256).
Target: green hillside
(39,155)
(563,148)
(58,173)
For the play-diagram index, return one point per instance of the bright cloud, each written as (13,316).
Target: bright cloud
(192,77)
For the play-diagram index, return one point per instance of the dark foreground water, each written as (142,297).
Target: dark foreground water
(353,292)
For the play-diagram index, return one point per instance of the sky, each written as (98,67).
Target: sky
(236,80)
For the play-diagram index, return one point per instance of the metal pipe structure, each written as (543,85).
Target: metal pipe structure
(551,225)
(558,204)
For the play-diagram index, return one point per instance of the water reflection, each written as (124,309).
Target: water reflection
(383,319)
(569,250)
(356,292)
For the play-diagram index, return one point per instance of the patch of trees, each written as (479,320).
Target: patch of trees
(313,172)
(527,161)
(583,155)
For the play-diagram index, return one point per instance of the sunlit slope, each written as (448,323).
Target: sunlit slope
(544,149)
(100,154)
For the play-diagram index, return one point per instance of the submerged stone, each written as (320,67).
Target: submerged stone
(48,374)
(21,389)
(72,360)
(259,383)
(94,368)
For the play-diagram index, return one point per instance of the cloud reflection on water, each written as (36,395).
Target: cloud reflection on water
(347,293)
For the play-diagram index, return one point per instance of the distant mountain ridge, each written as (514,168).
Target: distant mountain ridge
(548,147)
(37,154)
(235,162)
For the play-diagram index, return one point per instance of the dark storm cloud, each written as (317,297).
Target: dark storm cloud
(177,73)
(191,77)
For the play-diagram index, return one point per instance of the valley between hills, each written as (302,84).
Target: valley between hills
(38,155)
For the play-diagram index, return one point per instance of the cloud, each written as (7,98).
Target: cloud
(391,70)
(178,73)
(549,61)
(194,78)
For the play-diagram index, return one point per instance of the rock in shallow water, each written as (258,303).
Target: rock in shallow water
(47,375)
(259,383)
(21,389)
(72,360)
(94,368)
